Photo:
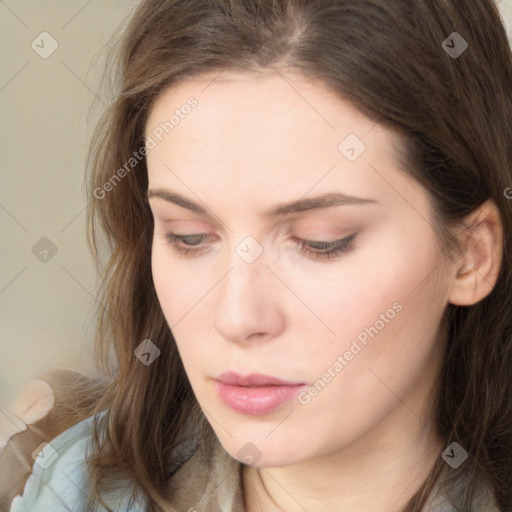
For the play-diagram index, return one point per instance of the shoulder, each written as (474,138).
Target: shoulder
(58,481)
(35,417)
(43,461)
(58,473)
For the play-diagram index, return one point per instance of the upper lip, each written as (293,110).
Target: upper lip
(253,380)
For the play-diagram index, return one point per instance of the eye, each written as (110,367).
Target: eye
(324,250)
(194,245)
(188,245)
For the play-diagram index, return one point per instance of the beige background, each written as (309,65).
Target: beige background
(46,308)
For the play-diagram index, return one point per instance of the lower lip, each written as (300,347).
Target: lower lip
(257,400)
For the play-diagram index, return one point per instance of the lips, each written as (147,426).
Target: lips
(253,380)
(255,394)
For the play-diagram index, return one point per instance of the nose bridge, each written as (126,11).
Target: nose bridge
(247,267)
(239,287)
(245,301)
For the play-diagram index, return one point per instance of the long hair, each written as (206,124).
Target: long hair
(387,57)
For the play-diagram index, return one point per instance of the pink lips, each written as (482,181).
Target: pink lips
(255,393)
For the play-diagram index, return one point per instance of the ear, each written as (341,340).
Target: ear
(476,272)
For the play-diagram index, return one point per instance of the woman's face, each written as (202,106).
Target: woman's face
(308,257)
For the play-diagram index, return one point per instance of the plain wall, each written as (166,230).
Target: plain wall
(47,307)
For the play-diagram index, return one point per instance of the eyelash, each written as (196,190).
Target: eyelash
(324,250)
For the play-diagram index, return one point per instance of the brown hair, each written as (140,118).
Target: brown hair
(386,57)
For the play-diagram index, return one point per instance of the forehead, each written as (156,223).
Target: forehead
(279,133)
(290,102)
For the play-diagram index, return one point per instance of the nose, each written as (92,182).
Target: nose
(247,304)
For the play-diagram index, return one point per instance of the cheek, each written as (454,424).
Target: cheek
(176,293)
(375,361)
(382,311)
(182,294)
(398,270)
(177,286)
(387,324)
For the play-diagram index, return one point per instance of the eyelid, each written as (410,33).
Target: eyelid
(173,240)
(332,249)
(175,236)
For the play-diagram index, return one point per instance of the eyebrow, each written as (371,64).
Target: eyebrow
(328,200)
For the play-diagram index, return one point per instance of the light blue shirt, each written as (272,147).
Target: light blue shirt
(58,482)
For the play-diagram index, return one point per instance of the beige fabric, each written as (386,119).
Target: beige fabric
(209,481)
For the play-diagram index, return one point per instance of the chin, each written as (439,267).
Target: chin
(262,454)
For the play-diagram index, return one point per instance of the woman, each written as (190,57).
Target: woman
(308,287)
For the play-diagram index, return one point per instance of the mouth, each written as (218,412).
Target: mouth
(255,394)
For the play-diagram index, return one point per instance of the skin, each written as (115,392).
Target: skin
(367,440)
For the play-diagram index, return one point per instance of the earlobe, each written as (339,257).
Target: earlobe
(476,272)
